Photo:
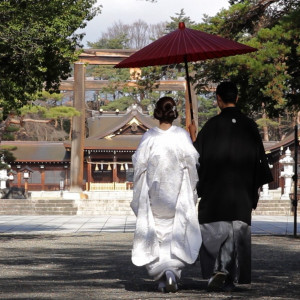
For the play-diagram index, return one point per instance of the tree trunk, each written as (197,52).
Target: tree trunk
(71,126)
(265,127)
(46,134)
(280,135)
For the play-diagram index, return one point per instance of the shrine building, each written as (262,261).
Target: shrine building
(112,138)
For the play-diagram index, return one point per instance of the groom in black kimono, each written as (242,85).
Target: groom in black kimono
(233,166)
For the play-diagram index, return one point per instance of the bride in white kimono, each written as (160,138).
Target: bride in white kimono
(167,235)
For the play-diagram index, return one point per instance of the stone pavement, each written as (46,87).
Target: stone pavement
(75,257)
(276,225)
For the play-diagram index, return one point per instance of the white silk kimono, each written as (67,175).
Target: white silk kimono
(167,234)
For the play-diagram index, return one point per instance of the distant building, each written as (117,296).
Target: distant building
(112,138)
(111,141)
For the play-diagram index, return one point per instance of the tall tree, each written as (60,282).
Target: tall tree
(269,78)
(248,17)
(180,17)
(37,45)
(139,34)
(156,30)
(128,36)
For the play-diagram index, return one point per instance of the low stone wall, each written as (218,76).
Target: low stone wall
(37,207)
(111,203)
(106,202)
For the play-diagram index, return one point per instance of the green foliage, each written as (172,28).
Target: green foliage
(61,112)
(267,78)
(145,103)
(33,110)
(265,122)
(149,78)
(12,128)
(6,158)
(8,136)
(108,73)
(208,108)
(115,77)
(222,23)
(8,147)
(121,104)
(49,113)
(67,125)
(180,17)
(118,42)
(37,45)
(53,98)
(247,17)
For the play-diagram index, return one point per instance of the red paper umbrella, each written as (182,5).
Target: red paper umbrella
(184,45)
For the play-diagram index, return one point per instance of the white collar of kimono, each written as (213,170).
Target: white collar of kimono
(164,131)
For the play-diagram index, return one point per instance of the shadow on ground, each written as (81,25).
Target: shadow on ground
(98,266)
(267,227)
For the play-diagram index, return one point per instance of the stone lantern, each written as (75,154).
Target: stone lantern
(264,194)
(3,175)
(287,174)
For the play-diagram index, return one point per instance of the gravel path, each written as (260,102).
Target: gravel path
(98,266)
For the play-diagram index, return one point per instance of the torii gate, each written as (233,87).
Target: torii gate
(80,85)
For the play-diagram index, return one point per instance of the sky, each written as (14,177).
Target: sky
(129,11)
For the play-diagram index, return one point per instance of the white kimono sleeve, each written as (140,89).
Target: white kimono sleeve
(139,160)
(145,243)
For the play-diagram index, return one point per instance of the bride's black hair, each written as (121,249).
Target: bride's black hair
(165,110)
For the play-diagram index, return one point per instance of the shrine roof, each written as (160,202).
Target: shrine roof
(122,142)
(286,142)
(31,151)
(102,125)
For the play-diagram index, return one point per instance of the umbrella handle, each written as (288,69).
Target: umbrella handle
(189,87)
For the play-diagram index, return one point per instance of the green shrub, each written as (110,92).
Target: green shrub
(12,128)
(8,147)
(8,137)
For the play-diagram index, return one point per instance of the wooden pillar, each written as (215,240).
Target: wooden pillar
(89,176)
(26,187)
(19,176)
(78,130)
(115,170)
(43,178)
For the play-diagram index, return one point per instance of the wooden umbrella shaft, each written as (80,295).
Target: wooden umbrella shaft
(189,87)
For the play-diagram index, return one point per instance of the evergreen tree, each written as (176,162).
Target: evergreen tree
(180,17)
(37,46)
(269,78)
